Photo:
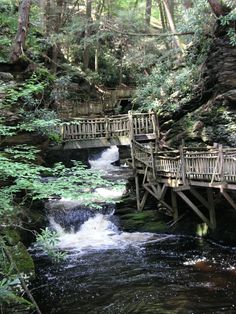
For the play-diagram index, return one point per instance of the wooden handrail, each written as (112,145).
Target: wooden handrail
(217,166)
(108,127)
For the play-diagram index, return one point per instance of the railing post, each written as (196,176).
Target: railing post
(156,128)
(106,127)
(131,126)
(221,163)
(153,163)
(183,165)
(133,153)
(61,131)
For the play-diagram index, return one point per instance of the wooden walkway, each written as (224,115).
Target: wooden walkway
(196,177)
(183,172)
(107,131)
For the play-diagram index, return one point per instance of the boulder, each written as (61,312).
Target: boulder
(6,77)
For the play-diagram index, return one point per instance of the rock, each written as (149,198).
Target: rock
(230,95)
(146,221)
(11,118)
(12,236)
(23,260)
(6,77)
(25,138)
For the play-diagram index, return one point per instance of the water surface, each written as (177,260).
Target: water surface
(109,271)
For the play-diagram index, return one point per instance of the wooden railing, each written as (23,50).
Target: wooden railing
(128,125)
(213,165)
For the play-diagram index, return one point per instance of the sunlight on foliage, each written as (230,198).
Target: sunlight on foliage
(48,240)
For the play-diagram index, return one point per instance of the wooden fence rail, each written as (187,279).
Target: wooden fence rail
(214,165)
(128,125)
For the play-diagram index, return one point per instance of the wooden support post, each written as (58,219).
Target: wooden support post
(143,202)
(135,175)
(212,213)
(228,198)
(194,208)
(153,163)
(137,191)
(200,198)
(160,192)
(131,126)
(107,127)
(61,131)
(221,161)
(174,205)
(156,129)
(183,166)
(156,196)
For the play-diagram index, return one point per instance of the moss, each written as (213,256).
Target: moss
(138,215)
(22,259)
(12,236)
(157,226)
(146,221)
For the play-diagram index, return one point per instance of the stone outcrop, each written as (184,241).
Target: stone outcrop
(211,117)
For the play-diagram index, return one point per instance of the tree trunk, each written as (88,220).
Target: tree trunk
(188,4)
(171,6)
(162,15)
(87,33)
(171,23)
(217,7)
(148,11)
(23,25)
(57,25)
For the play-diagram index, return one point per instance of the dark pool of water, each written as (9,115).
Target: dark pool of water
(177,275)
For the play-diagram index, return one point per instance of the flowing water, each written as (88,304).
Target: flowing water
(110,271)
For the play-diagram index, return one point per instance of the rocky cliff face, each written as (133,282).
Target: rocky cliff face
(211,117)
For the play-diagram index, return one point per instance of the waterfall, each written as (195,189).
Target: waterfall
(104,162)
(81,229)
(100,232)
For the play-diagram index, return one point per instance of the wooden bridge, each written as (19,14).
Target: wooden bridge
(107,131)
(185,172)
(192,175)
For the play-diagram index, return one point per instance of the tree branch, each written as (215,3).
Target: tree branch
(149,34)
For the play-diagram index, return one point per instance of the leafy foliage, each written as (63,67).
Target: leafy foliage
(48,240)
(229,20)
(9,293)
(16,165)
(174,79)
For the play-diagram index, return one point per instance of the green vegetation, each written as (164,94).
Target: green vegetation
(160,47)
(47,241)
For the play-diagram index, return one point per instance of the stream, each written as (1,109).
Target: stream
(110,271)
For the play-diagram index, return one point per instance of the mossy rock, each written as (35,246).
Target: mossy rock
(23,260)
(155,227)
(11,236)
(146,221)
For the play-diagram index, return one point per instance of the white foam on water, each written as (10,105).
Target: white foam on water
(104,162)
(111,193)
(99,233)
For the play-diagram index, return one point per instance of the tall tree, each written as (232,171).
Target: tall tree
(148,12)
(170,18)
(87,32)
(23,26)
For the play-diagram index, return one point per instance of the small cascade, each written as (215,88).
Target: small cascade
(81,229)
(99,232)
(107,158)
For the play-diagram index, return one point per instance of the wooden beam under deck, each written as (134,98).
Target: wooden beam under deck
(195,209)
(228,198)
